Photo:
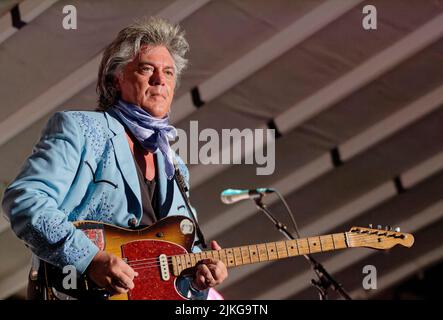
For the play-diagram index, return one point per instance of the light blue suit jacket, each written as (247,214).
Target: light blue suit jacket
(81,169)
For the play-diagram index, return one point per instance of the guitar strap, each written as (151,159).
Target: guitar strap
(183,189)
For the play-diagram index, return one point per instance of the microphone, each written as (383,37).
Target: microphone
(230,196)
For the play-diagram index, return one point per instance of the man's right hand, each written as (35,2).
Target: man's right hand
(112,273)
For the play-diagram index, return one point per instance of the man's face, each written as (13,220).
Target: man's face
(149,80)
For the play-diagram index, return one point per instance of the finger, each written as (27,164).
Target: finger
(214,245)
(108,284)
(200,282)
(128,270)
(204,270)
(208,261)
(217,272)
(115,287)
(214,262)
(123,280)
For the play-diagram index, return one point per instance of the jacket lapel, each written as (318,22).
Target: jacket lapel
(125,160)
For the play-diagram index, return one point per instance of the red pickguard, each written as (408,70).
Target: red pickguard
(149,285)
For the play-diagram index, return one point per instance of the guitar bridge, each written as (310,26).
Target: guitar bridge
(164,267)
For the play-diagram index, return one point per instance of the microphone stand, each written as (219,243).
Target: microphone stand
(325,280)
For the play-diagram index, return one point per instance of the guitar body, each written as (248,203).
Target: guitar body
(141,248)
(160,253)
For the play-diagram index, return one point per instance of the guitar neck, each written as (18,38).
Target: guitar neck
(243,255)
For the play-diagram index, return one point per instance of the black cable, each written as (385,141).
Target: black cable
(325,279)
(289,211)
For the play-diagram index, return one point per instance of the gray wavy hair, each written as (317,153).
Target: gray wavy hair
(148,31)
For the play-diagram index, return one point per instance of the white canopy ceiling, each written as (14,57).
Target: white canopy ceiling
(359,113)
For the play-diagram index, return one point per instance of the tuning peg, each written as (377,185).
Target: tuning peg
(397,229)
(388,228)
(370,226)
(379,227)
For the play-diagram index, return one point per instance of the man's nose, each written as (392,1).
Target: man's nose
(157,79)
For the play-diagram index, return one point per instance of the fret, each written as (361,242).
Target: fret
(282,251)
(222,255)
(303,246)
(262,253)
(237,257)
(292,248)
(179,264)
(326,243)
(332,240)
(193,260)
(183,262)
(245,255)
(253,253)
(314,244)
(174,266)
(230,258)
(339,241)
(188,261)
(271,251)
(216,255)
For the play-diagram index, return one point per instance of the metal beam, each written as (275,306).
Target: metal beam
(323,164)
(269,50)
(76,81)
(337,90)
(363,74)
(29,10)
(423,170)
(6,28)
(392,124)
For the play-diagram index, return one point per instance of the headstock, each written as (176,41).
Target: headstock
(378,238)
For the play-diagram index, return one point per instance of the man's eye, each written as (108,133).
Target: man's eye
(169,73)
(147,69)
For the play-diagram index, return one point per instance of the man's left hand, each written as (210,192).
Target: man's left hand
(209,272)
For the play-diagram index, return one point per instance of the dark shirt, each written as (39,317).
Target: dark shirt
(148,190)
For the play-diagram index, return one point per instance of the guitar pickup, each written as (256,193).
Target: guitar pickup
(164,267)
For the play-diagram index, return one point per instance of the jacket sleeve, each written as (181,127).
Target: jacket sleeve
(32,201)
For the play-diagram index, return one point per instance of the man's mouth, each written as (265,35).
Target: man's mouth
(156,95)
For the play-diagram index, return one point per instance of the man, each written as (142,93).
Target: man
(114,165)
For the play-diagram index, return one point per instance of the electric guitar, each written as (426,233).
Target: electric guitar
(160,253)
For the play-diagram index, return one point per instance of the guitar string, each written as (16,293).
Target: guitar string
(154,261)
(141,261)
(156,265)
